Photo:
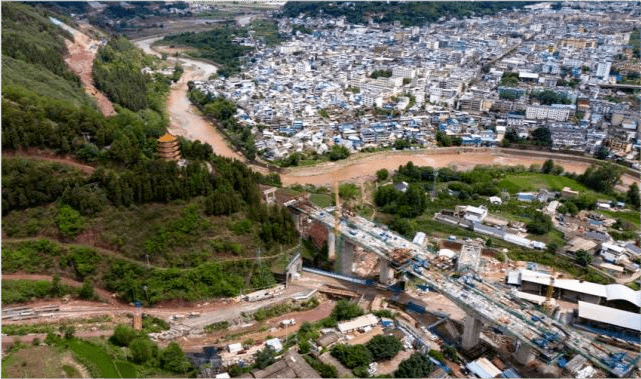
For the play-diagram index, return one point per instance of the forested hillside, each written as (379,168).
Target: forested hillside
(103,224)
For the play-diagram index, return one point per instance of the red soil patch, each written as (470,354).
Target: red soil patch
(82,52)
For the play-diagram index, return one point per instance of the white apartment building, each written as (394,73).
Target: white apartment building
(369,99)
(603,70)
(542,112)
(303,66)
(404,72)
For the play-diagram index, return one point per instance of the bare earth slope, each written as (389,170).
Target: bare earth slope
(82,51)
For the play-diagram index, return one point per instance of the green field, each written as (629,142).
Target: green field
(535,181)
(633,217)
(99,362)
(321,199)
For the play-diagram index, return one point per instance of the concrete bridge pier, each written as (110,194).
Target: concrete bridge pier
(347,258)
(524,354)
(384,275)
(331,245)
(471,332)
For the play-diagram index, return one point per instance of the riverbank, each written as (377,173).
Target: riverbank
(186,121)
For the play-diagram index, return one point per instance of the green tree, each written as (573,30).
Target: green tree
(69,221)
(541,224)
(264,358)
(384,347)
(352,356)
(443,139)
(173,359)
(548,166)
(86,292)
(123,335)
(633,195)
(346,310)
(450,352)
(416,366)
(141,350)
(602,153)
(542,136)
(338,152)
(304,347)
(382,175)
(583,257)
(601,178)
(57,289)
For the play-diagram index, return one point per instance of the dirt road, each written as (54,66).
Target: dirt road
(364,166)
(48,156)
(82,51)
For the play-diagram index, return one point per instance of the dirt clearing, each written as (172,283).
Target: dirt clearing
(82,51)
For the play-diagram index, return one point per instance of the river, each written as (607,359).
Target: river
(186,121)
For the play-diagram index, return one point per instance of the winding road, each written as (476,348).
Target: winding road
(186,121)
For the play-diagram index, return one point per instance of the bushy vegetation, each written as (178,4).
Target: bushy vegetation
(601,178)
(265,313)
(338,152)
(548,97)
(117,72)
(346,310)
(358,357)
(384,347)
(129,278)
(416,366)
(509,79)
(352,356)
(21,291)
(222,325)
(29,36)
(127,354)
(381,74)
(541,136)
(324,370)
(215,44)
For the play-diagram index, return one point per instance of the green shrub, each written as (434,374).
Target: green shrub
(69,221)
(346,310)
(173,359)
(221,325)
(123,335)
(141,350)
(352,356)
(384,347)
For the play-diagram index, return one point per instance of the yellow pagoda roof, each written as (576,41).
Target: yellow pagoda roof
(167,138)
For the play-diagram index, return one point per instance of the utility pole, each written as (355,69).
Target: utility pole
(434,185)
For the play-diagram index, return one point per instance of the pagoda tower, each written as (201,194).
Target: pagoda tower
(168,147)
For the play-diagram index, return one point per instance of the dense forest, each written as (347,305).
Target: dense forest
(117,72)
(215,44)
(207,207)
(408,13)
